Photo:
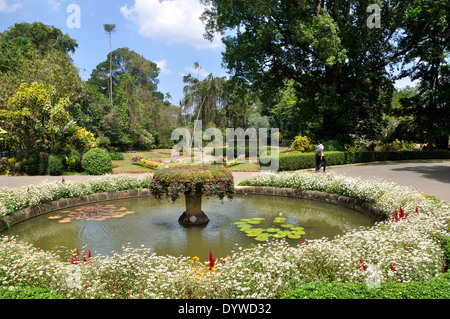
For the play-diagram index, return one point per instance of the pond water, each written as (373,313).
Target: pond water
(138,222)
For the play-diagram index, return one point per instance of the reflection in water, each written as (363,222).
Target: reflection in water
(155,225)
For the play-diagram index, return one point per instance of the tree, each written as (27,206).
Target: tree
(338,63)
(36,52)
(427,61)
(110,28)
(38,123)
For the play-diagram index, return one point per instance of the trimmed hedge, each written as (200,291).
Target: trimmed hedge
(295,161)
(25,292)
(97,162)
(437,288)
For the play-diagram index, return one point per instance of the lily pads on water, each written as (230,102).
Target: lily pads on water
(282,230)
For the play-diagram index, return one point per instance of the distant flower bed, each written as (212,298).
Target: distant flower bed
(406,247)
(155,163)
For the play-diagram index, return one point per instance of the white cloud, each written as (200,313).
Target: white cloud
(7,6)
(162,65)
(173,21)
(54,4)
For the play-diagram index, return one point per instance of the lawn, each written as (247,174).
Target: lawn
(126,166)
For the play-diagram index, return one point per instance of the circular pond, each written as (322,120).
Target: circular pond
(247,220)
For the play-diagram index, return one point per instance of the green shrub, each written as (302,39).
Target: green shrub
(334,146)
(116,156)
(301,143)
(55,165)
(24,292)
(97,162)
(436,288)
(31,163)
(72,159)
(446,247)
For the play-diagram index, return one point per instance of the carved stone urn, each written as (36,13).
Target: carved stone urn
(193,182)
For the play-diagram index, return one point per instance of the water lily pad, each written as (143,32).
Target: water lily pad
(245,220)
(297,228)
(259,219)
(279,235)
(279,220)
(253,234)
(294,236)
(298,232)
(286,225)
(261,238)
(254,222)
(272,230)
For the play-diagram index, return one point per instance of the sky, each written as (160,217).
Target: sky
(167,32)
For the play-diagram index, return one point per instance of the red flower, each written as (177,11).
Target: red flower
(211,260)
(417,209)
(362,264)
(393,268)
(402,212)
(63,180)
(28,189)
(89,255)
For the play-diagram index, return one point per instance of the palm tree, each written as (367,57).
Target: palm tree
(110,28)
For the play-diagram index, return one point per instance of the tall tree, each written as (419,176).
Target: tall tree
(428,35)
(336,59)
(110,28)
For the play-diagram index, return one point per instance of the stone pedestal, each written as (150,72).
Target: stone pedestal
(193,216)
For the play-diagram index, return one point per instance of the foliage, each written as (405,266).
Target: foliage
(322,71)
(116,156)
(428,109)
(436,288)
(97,162)
(211,180)
(25,292)
(301,144)
(55,165)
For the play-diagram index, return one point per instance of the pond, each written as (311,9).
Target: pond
(247,220)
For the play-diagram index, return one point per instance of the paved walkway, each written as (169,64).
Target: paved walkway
(430,177)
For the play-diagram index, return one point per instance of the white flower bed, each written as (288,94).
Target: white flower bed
(396,251)
(15,199)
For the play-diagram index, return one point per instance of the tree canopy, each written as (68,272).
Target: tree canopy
(335,67)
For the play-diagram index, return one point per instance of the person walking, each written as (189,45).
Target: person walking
(320,157)
(318,152)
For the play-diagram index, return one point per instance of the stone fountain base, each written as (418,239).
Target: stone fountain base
(193,220)
(193,216)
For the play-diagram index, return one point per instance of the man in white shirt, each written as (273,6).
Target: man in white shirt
(320,158)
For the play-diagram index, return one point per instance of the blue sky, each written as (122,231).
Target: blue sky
(166,32)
